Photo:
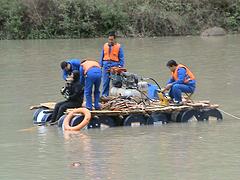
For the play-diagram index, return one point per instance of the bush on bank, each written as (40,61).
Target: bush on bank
(43,19)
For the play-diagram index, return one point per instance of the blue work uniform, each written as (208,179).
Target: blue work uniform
(106,65)
(180,86)
(75,65)
(90,77)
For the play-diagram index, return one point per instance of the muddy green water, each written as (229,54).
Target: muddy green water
(30,74)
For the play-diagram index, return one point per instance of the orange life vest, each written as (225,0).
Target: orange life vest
(189,74)
(88,64)
(113,55)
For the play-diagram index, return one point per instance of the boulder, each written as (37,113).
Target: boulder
(214,31)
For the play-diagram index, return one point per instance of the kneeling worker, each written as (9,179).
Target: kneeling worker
(91,74)
(73,92)
(182,80)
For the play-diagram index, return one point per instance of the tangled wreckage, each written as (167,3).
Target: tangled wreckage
(133,102)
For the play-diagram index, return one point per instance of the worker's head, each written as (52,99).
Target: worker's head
(65,66)
(172,65)
(112,38)
(75,75)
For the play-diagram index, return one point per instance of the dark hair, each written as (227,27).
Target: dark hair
(112,33)
(171,63)
(63,64)
(76,75)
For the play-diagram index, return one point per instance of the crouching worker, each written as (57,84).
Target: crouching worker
(73,92)
(182,80)
(90,75)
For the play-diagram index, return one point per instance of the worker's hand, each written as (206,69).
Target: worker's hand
(167,88)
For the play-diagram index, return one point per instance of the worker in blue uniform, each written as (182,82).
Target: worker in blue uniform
(111,56)
(69,66)
(90,75)
(182,80)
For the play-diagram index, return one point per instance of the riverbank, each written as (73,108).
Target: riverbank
(37,19)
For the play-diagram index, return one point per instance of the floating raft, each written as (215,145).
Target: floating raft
(126,112)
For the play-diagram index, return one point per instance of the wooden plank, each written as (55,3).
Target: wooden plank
(205,101)
(35,107)
(214,106)
(48,105)
(139,109)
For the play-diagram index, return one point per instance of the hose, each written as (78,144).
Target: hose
(156,84)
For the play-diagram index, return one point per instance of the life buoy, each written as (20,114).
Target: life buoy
(85,121)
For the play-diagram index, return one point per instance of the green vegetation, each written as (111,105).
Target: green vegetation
(42,19)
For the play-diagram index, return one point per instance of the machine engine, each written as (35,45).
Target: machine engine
(126,84)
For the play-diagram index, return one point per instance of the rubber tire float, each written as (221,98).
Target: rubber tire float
(42,116)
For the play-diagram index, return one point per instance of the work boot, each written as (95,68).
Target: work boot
(97,107)
(178,103)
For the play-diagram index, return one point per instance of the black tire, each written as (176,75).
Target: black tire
(185,116)
(42,117)
(94,123)
(76,120)
(212,113)
(36,112)
(46,118)
(60,120)
(135,120)
(157,118)
(107,121)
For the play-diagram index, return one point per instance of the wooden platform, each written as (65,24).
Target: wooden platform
(140,109)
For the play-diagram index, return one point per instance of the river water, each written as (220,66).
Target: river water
(30,74)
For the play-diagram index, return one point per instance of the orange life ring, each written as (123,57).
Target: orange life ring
(85,121)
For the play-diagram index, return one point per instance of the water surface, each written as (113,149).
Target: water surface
(30,74)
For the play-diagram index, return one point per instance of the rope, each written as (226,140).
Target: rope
(229,114)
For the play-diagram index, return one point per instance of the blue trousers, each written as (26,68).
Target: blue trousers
(177,89)
(93,78)
(106,82)
(106,76)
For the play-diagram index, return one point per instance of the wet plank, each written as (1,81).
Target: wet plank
(123,107)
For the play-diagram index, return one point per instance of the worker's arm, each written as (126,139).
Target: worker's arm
(82,78)
(75,63)
(169,85)
(65,75)
(181,76)
(121,57)
(170,81)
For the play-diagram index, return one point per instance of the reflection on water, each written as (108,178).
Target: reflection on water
(30,74)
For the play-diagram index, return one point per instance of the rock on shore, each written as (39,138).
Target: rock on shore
(214,31)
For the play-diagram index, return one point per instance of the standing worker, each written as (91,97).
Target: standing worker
(91,74)
(112,56)
(69,66)
(182,80)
